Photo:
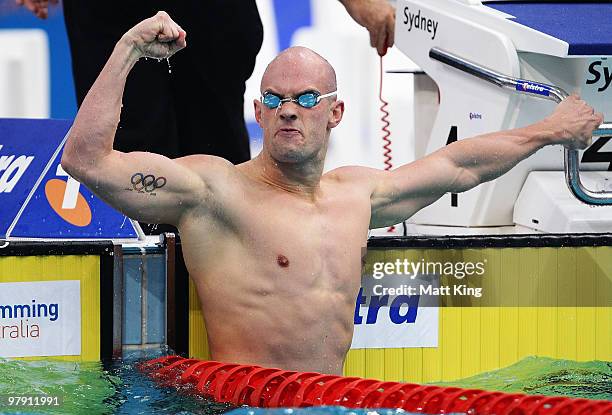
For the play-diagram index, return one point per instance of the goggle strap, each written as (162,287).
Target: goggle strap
(329,94)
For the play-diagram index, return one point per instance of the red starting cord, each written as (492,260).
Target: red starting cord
(388,157)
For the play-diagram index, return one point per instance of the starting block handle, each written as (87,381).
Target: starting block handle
(546,91)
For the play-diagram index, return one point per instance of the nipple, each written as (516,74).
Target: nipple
(282,261)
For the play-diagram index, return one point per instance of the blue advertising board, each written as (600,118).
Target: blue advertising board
(38,199)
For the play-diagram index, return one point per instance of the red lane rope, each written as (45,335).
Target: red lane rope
(267,387)
(388,157)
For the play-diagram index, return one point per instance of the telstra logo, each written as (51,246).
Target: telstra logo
(12,167)
(66,200)
(533,88)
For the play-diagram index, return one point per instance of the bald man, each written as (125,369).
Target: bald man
(273,245)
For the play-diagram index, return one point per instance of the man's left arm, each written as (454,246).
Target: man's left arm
(462,165)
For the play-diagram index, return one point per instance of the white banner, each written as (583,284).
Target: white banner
(389,327)
(40,318)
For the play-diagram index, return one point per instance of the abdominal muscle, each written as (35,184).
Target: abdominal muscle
(288,319)
(311,334)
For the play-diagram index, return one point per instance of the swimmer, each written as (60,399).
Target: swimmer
(273,245)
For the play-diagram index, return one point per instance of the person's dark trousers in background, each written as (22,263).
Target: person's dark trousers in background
(195,106)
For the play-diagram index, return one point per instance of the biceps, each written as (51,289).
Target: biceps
(144,186)
(404,191)
(146,197)
(423,178)
(399,211)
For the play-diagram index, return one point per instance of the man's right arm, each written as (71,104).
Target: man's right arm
(460,166)
(145,186)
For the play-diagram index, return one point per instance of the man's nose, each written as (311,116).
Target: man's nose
(288,111)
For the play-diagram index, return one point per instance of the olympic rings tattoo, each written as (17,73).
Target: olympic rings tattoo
(147,183)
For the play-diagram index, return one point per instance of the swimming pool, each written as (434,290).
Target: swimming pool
(117,387)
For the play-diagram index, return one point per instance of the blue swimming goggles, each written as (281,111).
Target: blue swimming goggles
(305,100)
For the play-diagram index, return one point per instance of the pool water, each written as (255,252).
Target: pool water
(546,376)
(117,387)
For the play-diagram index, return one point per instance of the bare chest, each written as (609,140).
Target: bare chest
(318,244)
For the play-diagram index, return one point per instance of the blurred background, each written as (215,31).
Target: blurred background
(36,76)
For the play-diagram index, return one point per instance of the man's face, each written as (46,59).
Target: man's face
(293,133)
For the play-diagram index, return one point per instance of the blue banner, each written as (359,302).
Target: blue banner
(39,200)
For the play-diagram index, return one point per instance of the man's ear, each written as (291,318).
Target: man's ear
(337,111)
(257,107)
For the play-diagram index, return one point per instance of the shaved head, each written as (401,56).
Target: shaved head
(304,62)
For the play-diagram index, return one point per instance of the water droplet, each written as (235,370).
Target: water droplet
(169,67)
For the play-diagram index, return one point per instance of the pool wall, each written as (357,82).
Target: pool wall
(123,289)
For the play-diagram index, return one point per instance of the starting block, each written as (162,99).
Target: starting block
(544,49)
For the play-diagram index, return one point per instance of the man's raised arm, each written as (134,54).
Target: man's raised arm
(464,164)
(144,186)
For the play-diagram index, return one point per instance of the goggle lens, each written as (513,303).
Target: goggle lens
(306,100)
(271,101)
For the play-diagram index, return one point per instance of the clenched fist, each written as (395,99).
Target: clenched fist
(573,122)
(157,37)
